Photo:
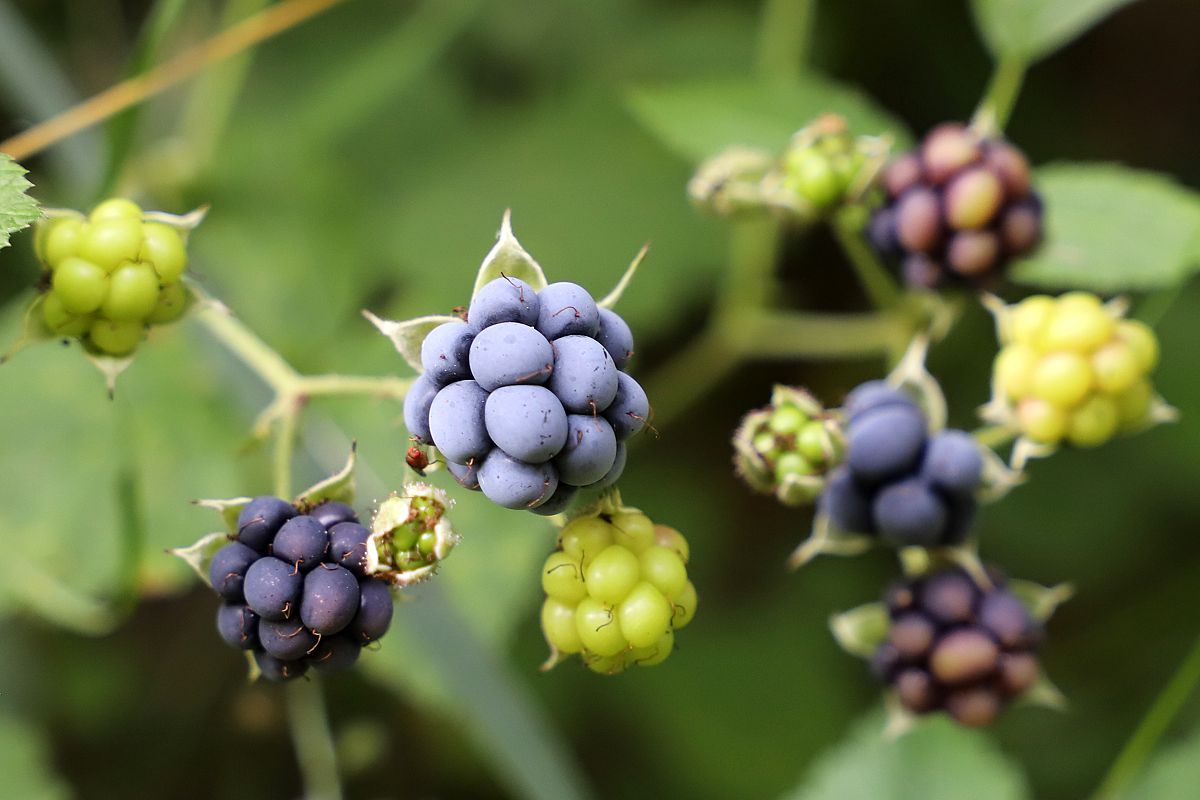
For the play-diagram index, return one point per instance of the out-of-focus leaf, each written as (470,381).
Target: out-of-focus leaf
(1031,29)
(25,763)
(17,209)
(1110,228)
(935,761)
(697,120)
(1174,772)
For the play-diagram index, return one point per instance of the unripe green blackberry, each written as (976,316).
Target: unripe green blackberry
(787,447)
(958,647)
(616,591)
(823,163)
(1072,369)
(958,209)
(111,274)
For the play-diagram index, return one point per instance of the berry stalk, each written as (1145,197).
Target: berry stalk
(997,104)
(311,738)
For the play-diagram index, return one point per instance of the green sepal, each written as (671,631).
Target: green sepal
(861,630)
(508,258)
(408,334)
(613,297)
(827,539)
(339,487)
(199,556)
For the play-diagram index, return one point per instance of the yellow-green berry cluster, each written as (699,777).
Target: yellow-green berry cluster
(1073,370)
(111,274)
(786,448)
(617,589)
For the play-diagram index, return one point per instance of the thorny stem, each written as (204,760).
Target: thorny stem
(1152,727)
(1000,97)
(262,26)
(311,739)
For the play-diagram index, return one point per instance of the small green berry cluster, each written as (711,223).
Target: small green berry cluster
(1072,369)
(787,447)
(617,589)
(110,275)
(823,163)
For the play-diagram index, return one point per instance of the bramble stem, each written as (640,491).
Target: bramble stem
(785,30)
(285,445)
(312,740)
(245,344)
(262,26)
(365,385)
(994,436)
(876,281)
(1152,727)
(996,107)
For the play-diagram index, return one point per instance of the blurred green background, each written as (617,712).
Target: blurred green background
(363,160)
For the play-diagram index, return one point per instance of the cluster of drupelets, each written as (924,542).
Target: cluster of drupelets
(110,275)
(958,209)
(527,399)
(617,589)
(295,589)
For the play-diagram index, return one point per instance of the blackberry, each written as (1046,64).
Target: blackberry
(957,647)
(959,208)
(528,401)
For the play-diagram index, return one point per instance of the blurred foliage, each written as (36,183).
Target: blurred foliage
(364,162)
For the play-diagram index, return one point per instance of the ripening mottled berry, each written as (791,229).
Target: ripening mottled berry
(957,647)
(1071,370)
(958,209)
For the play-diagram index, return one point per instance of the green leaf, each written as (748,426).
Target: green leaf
(17,209)
(1111,228)
(935,761)
(25,763)
(697,120)
(1174,772)
(1031,29)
